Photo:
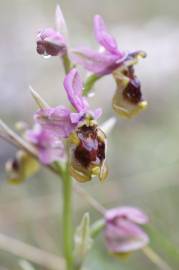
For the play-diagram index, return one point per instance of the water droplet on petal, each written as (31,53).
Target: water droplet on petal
(101,49)
(46,56)
(91,94)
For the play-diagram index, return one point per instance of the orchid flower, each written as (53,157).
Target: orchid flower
(123,233)
(61,121)
(87,143)
(53,42)
(101,62)
(128,99)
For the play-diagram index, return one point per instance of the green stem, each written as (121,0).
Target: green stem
(155,258)
(89,83)
(67,220)
(66,63)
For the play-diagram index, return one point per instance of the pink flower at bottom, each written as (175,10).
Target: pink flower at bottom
(122,231)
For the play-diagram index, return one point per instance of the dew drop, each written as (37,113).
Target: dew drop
(46,56)
(91,94)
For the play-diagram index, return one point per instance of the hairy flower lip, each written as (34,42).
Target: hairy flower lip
(132,92)
(88,151)
(128,99)
(89,143)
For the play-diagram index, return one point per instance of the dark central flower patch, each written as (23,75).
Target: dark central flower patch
(91,148)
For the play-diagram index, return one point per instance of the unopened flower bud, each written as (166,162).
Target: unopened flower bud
(51,42)
(123,231)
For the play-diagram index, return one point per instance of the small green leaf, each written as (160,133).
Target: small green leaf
(97,227)
(83,240)
(41,103)
(91,80)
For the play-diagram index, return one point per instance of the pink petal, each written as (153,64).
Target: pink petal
(125,238)
(96,62)
(121,242)
(103,37)
(53,152)
(57,120)
(50,148)
(131,213)
(122,232)
(76,117)
(74,88)
(96,114)
(50,42)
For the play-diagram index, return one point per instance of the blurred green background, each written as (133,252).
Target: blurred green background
(143,153)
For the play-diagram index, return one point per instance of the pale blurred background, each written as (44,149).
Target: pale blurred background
(143,153)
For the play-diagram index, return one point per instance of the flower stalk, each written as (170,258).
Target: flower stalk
(66,63)
(97,227)
(90,82)
(67,219)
